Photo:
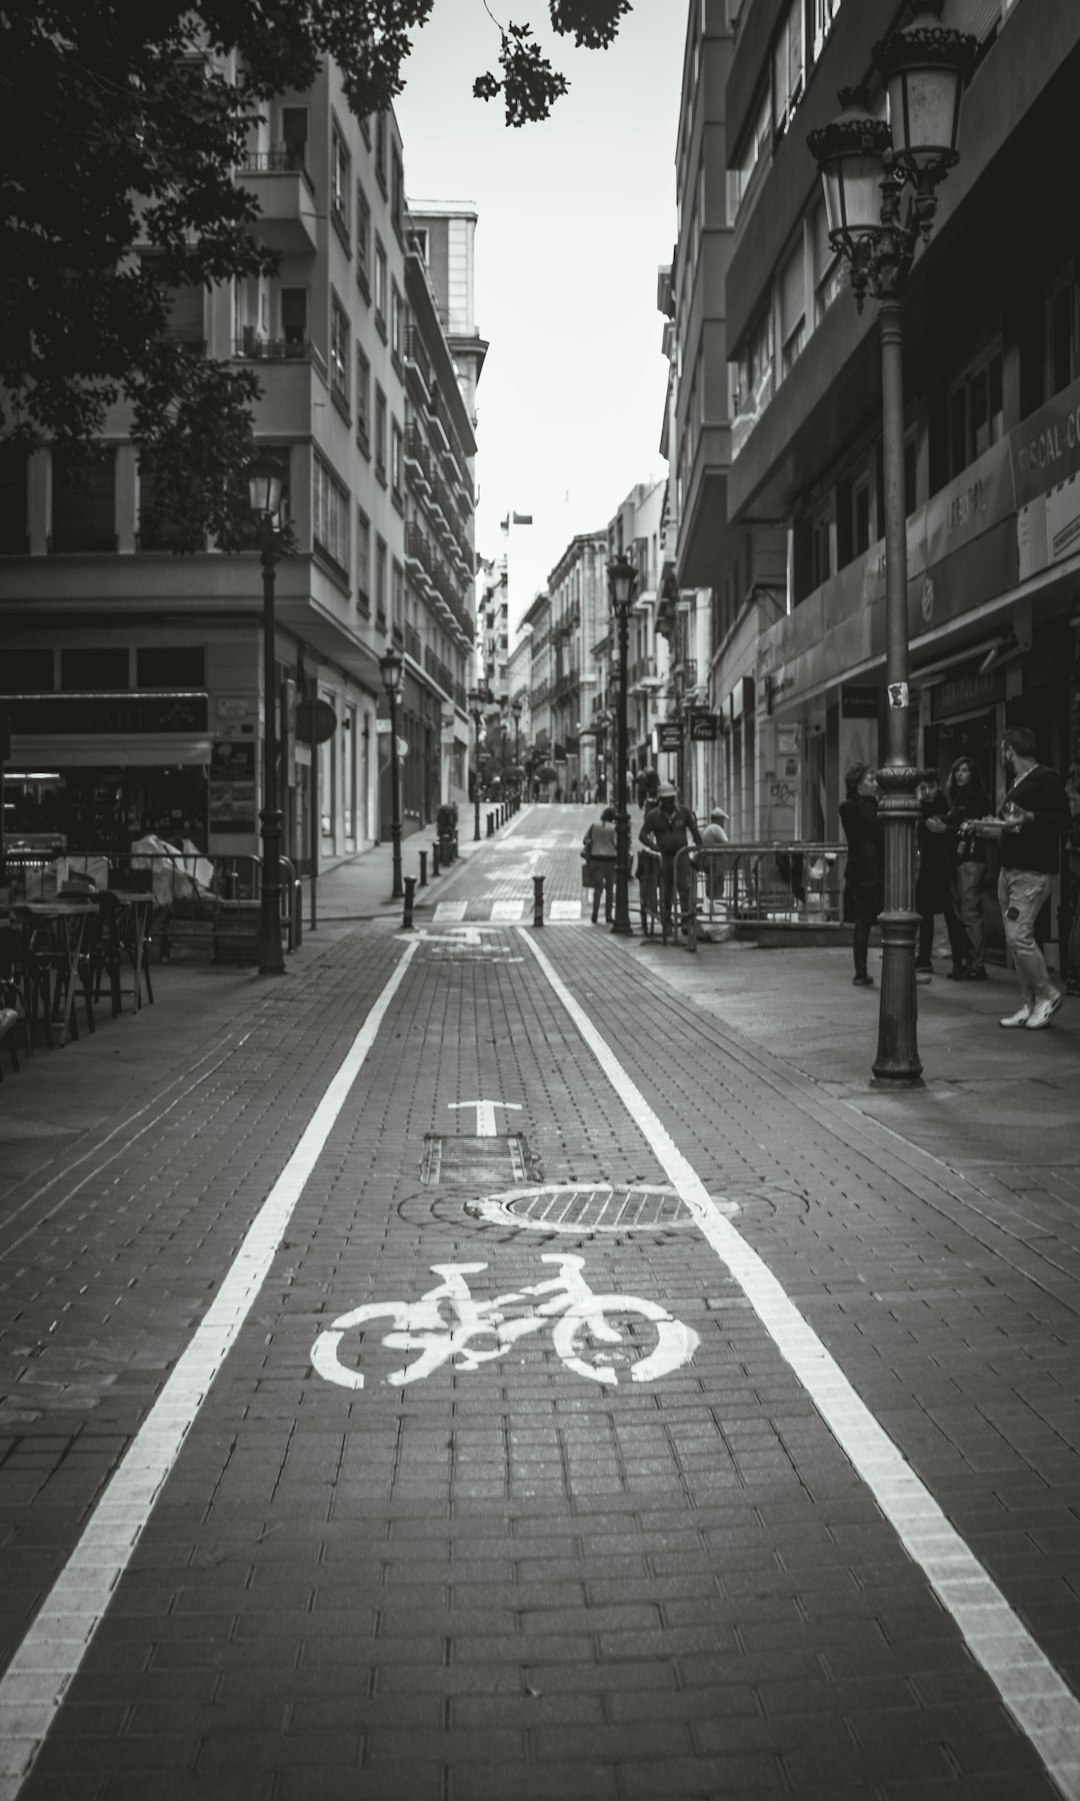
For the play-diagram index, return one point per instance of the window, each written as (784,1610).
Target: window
(397,617)
(396,332)
(96,671)
(160,528)
(294,317)
(363,402)
(753,385)
(789,68)
(28,671)
(170,666)
(380,286)
(825,12)
(380,434)
(740,176)
(363,242)
(14,505)
(340,183)
(84,503)
(363,562)
(976,412)
(380,583)
(1062,343)
(294,122)
(397,192)
(418,241)
(821,549)
(828,265)
(330,517)
(860,516)
(793,305)
(340,354)
(380,151)
(396,447)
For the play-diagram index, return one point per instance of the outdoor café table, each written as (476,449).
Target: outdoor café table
(125,916)
(64,923)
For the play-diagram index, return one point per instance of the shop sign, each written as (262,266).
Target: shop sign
(967,692)
(980,497)
(232,786)
(859,703)
(704,727)
(669,735)
(93,715)
(1046,445)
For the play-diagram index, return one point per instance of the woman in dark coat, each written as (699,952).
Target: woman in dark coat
(968,799)
(864,874)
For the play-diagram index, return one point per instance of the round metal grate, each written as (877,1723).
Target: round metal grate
(587,1207)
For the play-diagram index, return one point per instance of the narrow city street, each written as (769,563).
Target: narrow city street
(500,1361)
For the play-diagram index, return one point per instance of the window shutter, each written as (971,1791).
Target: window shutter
(792,294)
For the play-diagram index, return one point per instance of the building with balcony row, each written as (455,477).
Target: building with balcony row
(133,676)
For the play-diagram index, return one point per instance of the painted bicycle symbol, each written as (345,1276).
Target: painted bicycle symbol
(448,1325)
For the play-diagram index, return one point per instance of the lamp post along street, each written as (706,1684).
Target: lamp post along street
(622,580)
(880,180)
(264,492)
(476,699)
(391,666)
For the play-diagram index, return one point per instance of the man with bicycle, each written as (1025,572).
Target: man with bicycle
(668,828)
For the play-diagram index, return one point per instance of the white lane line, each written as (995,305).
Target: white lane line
(1041,1703)
(44,1664)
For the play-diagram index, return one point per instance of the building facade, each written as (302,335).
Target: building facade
(132,676)
(992,392)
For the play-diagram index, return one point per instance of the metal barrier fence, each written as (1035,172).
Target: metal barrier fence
(196,898)
(794,884)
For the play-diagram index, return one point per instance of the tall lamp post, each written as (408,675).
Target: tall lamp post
(391,665)
(477,696)
(515,708)
(264,495)
(880,180)
(622,580)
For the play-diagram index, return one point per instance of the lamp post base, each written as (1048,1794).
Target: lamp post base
(620,924)
(897,1064)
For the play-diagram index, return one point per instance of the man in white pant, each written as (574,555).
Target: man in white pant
(1034,814)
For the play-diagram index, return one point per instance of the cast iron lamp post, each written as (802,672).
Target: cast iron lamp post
(264,495)
(477,697)
(622,580)
(880,180)
(515,708)
(391,665)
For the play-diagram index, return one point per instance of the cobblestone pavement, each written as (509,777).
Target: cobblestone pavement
(771,1489)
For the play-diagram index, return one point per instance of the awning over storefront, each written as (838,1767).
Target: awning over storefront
(119,751)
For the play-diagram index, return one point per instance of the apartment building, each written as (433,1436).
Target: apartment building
(536,627)
(133,677)
(577,596)
(992,393)
(635,531)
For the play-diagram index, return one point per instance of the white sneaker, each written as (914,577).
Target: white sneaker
(1042,1013)
(1019,1018)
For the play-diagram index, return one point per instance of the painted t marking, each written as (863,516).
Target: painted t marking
(485,1114)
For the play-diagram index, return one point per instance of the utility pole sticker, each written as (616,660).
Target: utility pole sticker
(898,695)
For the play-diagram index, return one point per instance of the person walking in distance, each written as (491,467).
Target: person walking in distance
(864,872)
(669,828)
(1035,813)
(968,800)
(598,850)
(932,891)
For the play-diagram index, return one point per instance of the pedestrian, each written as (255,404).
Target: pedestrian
(933,894)
(968,800)
(864,871)
(598,854)
(642,788)
(669,827)
(714,835)
(1035,815)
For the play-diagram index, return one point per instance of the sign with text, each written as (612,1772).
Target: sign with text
(669,735)
(704,727)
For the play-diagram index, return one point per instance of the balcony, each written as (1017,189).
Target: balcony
(417,365)
(417,461)
(286,198)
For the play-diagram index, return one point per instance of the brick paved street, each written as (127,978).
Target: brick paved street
(506,1563)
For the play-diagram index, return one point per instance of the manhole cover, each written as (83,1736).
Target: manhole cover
(587,1207)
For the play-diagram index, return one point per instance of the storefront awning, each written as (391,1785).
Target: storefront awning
(61,750)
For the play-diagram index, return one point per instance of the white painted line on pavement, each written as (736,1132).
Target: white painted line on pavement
(34,1682)
(507,910)
(485,1113)
(564,909)
(1041,1703)
(447,910)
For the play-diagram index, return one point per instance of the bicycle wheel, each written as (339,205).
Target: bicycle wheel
(404,1317)
(578,1334)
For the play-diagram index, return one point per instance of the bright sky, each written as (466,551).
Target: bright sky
(575,216)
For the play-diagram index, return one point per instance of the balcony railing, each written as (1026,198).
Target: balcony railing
(253,349)
(276,162)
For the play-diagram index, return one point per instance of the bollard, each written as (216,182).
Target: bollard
(538,900)
(409,885)
(423,870)
(491,825)
(434,861)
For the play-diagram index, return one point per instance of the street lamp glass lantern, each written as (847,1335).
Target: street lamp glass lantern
(622,580)
(848,152)
(264,492)
(924,68)
(391,664)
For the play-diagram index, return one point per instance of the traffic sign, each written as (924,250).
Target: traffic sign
(315,724)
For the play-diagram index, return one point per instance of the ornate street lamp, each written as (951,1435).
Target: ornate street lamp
(515,708)
(880,181)
(264,496)
(391,664)
(477,697)
(622,581)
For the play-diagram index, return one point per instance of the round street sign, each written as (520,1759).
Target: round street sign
(315,724)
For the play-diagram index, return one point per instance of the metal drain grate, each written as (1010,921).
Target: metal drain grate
(476,1161)
(591,1207)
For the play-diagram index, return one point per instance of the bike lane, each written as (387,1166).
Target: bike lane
(503,1570)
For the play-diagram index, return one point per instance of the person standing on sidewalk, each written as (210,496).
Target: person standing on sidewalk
(1035,814)
(933,894)
(968,800)
(864,871)
(668,828)
(599,851)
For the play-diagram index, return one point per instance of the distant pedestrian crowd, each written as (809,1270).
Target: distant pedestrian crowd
(955,826)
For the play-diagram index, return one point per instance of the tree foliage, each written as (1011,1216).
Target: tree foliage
(119,144)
